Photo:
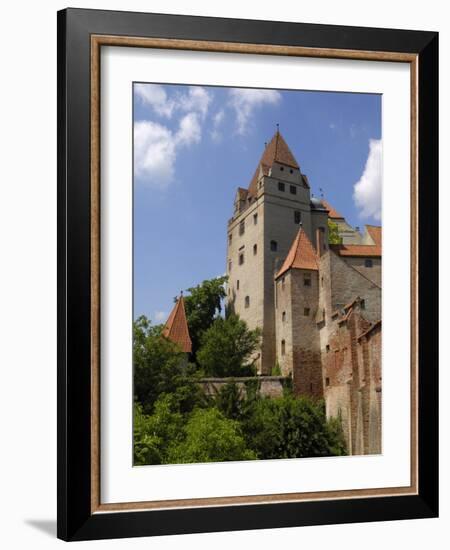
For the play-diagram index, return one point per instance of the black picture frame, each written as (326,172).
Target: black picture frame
(75,519)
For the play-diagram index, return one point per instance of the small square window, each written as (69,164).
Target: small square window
(306,311)
(281,168)
(293,190)
(368,263)
(281,186)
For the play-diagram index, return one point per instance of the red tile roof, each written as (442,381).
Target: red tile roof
(276,151)
(176,328)
(302,255)
(332,213)
(372,250)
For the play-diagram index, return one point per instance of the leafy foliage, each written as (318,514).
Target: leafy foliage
(160,368)
(227,346)
(203,305)
(289,427)
(333,233)
(210,437)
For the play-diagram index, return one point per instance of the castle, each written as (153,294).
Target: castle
(318,304)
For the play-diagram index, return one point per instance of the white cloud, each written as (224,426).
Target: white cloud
(217,121)
(367,191)
(160,316)
(156,148)
(155,96)
(245,101)
(189,131)
(196,99)
(154,153)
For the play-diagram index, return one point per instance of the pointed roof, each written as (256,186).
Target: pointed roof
(332,212)
(176,328)
(302,255)
(276,150)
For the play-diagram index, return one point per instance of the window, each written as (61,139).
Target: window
(282,283)
(323,316)
(362,304)
(237,284)
(242,227)
(327,381)
(327,347)
(255,219)
(241,258)
(368,263)
(307,279)
(281,186)
(273,246)
(283,347)
(293,190)
(247,301)
(281,168)
(229,265)
(260,184)
(297,216)
(255,249)
(283,316)
(291,171)
(306,312)
(321,281)
(230,237)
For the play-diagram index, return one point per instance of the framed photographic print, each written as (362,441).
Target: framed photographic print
(247,274)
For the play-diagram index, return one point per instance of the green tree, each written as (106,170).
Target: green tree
(227,346)
(203,305)
(160,368)
(291,427)
(153,434)
(333,233)
(210,437)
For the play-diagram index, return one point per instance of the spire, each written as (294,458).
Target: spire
(276,150)
(301,255)
(176,328)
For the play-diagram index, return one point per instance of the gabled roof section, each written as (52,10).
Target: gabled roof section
(369,250)
(277,150)
(332,212)
(176,328)
(302,255)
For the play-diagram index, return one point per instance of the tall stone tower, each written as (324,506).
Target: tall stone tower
(267,217)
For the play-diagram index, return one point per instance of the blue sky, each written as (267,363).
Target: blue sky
(193,146)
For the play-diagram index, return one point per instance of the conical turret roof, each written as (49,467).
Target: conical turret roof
(176,328)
